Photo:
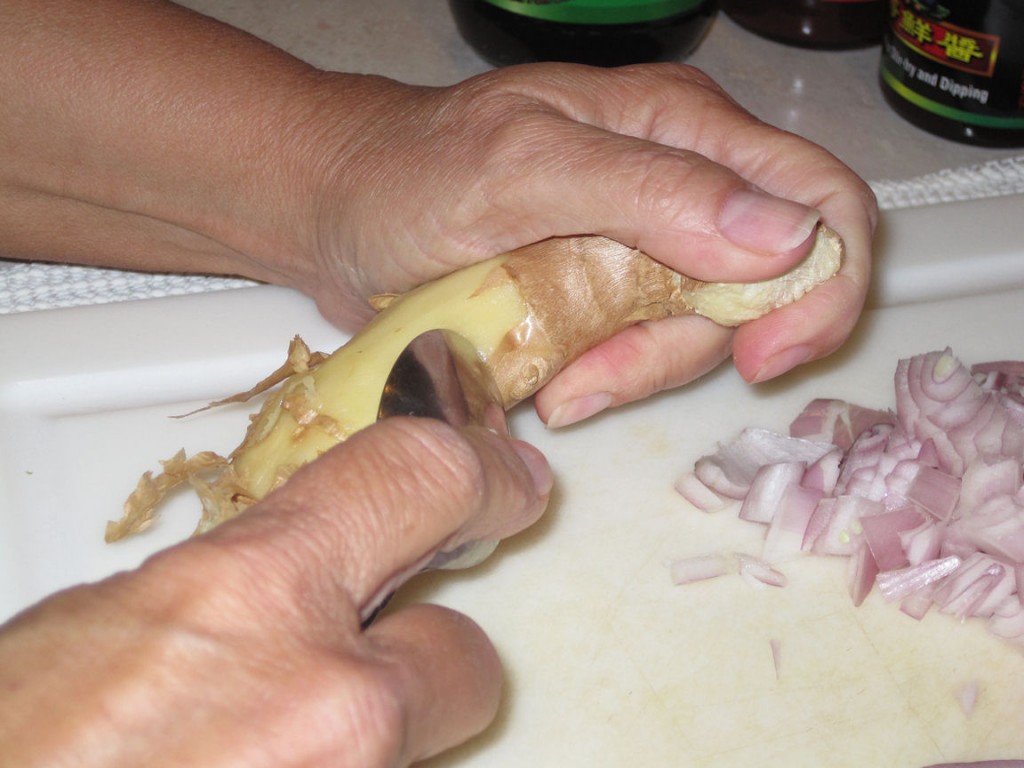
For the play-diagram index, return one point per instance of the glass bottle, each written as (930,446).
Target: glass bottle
(955,68)
(832,24)
(598,32)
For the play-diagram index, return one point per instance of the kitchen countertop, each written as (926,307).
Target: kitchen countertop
(830,97)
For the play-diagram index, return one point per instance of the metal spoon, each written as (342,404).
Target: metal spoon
(439,375)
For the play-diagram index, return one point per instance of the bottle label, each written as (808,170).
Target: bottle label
(972,76)
(597,11)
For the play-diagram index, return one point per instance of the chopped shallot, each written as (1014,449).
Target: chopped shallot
(967,697)
(703,567)
(776,649)
(897,584)
(926,500)
(759,572)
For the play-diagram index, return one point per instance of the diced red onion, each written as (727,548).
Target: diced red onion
(823,474)
(690,487)
(785,536)
(820,521)
(947,378)
(768,488)
(732,468)
(987,477)
(935,491)
(859,475)
(836,421)
(754,570)
(1004,375)
(882,536)
(895,585)
(776,648)
(898,482)
(923,543)
(927,500)
(1008,620)
(862,570)
(701,568)
(843,532)
(967,697)
(976,588)
(917,604)
(758,571)
(997,528)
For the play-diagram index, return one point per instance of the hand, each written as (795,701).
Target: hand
(244,647)
(216,152)
(656,157)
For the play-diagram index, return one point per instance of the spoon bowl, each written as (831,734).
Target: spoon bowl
(440,375)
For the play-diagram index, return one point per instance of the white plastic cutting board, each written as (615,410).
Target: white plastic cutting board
(611,665)
(608,663)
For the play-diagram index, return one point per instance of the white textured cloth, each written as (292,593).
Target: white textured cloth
(992,179)
(30,286)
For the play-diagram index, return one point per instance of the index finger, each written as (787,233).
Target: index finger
(352,525)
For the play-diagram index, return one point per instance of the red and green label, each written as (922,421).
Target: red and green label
(947,44)
(598,11)
(972,76)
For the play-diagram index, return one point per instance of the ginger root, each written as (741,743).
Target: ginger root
(528,313)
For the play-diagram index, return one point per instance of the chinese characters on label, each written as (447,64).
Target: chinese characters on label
(962,49)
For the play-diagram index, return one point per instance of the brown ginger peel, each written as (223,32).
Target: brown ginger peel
(528,313)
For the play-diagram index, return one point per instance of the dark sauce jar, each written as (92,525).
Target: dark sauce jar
(956,68)
(832,24)
(604,33)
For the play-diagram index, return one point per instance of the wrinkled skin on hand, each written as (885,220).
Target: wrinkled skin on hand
(657,157)
(244,648)
(217,152)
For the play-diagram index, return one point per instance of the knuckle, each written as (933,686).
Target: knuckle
(639,377)
(662,85)
(672,73)
(449,464)
(473,480)
(661,178)
(362,708)
(500,132)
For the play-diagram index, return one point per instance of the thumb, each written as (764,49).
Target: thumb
(698,217)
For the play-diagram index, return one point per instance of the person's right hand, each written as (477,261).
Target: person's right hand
(244,646)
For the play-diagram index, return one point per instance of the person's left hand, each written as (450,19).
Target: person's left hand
(216,152)
(657,157)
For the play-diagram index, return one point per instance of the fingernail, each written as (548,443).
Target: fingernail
(540,470)
(761,222)
(783,361)
(579,409)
